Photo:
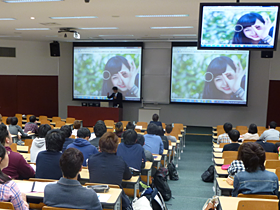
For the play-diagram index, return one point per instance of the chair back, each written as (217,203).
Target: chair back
(180,126)
(28,142)
(272,164)
(220,131)
(257,196)
(257,205)
(271,156)
(43,117)
(27,117)
(220,127)
(227,154)
(249,140)
(277,172)
(221,145)
(42,180)
(243,131)
(277,128)
(241,127)
(70,120)
(124,124)
(229,160)
(59,124)
(19,116)
(56,119)
(73,137)
(261,129)
(143,124)
(273,141)
(14,147)
(45,122)
(163,125)
(6,205)
(110,129)
(120,140)
(90,129)
(109,123)
(4,119)
(56,208)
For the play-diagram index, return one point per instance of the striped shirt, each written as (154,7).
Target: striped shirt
(223,138)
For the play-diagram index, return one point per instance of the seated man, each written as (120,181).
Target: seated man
(68,192)
(234,136)
(31,125)
(153,143)
(270,134)
(141,140)
(168,130)
(130,125)
(132,153)
(224,138)
(99,129)
(81,143)
(66,130)
(47,163)
(17,168)
(155,120)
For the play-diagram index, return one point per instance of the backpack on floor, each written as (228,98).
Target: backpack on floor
(155,198)
(160,182)
(208,175)
(173,174)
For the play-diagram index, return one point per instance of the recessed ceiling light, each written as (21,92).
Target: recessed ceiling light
(114,35)
(32,29)
(7,18)
(171,27)
(32,18)
(96,28)
(178,35)
(77,17)
(27,1)
(183,15)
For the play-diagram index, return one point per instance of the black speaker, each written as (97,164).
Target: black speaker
(54,49)
(84,104)
(267,54)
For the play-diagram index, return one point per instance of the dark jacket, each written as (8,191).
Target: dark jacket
(47,165)
(107,168)
(165,142)
(268,147)
(231,147)
(118,100)
(158,123)
(95,142)
(67,193)
(66,143)
(85,147)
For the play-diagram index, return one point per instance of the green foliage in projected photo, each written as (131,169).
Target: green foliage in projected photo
(188,72)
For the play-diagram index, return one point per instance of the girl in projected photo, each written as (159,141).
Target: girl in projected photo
(224,80)
(120,73)
(252,28)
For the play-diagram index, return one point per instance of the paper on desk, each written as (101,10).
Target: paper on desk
(138,127)
(33,166)
(25,187)
(103,197)
(40,186)
(219,149)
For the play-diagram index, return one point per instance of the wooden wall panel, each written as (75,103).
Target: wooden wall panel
(273,108)
(8,95)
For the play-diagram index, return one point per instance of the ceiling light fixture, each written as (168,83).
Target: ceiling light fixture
(171,27)
(183,15)
(32,18)
(27,1)
(7,18)
(77,17)
(32,29)
(98,28)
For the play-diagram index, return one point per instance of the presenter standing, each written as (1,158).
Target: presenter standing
(117,98)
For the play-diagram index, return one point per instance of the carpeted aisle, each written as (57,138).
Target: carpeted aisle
(190,192)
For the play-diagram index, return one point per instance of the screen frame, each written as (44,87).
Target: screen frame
(194,44)
(237,48)
(107,44)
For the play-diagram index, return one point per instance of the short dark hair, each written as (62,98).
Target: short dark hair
(4,133)
(54,140)
(77,124)
(234,135)
(168,128)
(155,117)
(100,128)
(32,118)
(129,137)
(140,139)
(8,120)
(114,88)
(14,120)
(108,142)
(273,124)
(227,127)
(66,130)
(71,162)
(130,126)
(43,130)
(152,129)
(83,132)
(119,127)
(160,131)
(253,128)
(253,156)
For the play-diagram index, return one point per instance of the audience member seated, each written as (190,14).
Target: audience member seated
(47,163)
(17,168)
(39,143)
(168,130)
(234,136)
(81,143)
(268,147)
(155,120)
(132,153)
(130,125)
(141,140)
(270,134)
(68,192)
(153,143)
(31,125)
(119,129)
(1,119)
(107,167)
(66,130)
(236,165)
(164,139)
(252,133)
(99,129)
(224,138)
(76,126)
(15,129)
(255,179)
(9,191)
(8,122)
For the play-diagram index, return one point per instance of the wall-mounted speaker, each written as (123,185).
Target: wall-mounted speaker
(84,104)
(54,49)
(267,54)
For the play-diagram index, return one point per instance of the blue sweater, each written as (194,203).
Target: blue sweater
(132,155)
(153,143)
(85,147)
(47,165)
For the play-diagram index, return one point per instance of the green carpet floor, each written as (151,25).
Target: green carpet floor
(190,192)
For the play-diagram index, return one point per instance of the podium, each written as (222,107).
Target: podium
(90,115)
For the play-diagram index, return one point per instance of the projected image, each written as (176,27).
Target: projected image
(98,69)
(209,76)
(239,26)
